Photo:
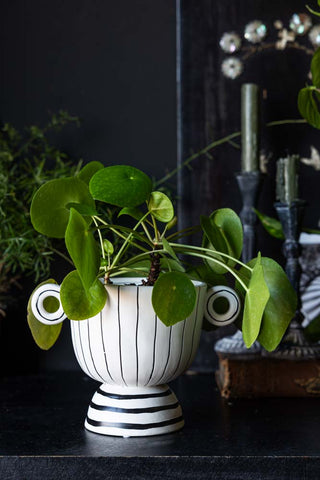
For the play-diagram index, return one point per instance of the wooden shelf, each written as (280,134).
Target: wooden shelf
(42,435)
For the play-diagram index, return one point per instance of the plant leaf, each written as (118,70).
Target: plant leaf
(160,207)
(107,246)
(223,233)
(280,308)
(86,210)
(271,225)
(78,303)
(83,249)
(281,305)
(49,211)
(121,185)
(314,12)
(315,68)
(173,297)
(205,274)
(230,227)
(214,241)
(167,247)
(132,212)
(256,299)
(87,172)
(45,336)
(308,106)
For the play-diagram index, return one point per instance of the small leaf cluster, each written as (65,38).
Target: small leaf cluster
(309,96)
(69,208)
(27,160)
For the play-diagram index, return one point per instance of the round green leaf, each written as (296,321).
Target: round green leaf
(107,246)
(173,297)
(223,233)
(87,172)
(49,208)
(45,336)
(256,300)
(271,225)
(78,303)
(315,68)
(132,212)
(308,101)
(281,305)
(160,207)
(121,185)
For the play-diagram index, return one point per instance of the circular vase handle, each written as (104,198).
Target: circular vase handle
(37,304)
(222,305)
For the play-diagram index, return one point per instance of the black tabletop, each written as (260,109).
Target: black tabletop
(42,435)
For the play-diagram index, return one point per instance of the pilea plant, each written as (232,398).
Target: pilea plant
(67,208)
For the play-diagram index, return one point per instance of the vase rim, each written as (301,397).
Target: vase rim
(137,282)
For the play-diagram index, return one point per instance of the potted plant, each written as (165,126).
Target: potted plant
(135,306)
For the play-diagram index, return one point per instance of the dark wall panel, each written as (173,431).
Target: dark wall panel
(209,109)
(111,63)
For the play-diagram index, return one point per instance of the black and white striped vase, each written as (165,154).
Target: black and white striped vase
(134,355)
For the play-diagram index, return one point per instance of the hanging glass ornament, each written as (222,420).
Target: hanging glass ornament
(255,31)
(300,23)
(232,67)
(230,42)
(314,35)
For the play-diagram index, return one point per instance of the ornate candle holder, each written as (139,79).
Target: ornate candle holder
(294,345)
(249,185)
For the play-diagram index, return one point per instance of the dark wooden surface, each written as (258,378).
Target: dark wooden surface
(42,435)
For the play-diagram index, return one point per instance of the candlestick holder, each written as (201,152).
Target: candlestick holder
(294,345)
(249,185)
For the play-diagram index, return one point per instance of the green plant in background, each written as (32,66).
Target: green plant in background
(27,160)
(309,96)
(68,208)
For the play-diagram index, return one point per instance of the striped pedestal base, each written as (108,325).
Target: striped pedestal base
(134,411)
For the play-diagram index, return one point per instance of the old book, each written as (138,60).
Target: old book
(265,377)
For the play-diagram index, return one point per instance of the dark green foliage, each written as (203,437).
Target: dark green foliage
(27,160)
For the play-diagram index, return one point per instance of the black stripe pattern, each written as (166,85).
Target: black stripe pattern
(135,414)
(129,349)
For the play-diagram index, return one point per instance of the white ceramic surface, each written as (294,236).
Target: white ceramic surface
(134,355)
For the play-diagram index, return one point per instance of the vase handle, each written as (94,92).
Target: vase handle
(227,311)
(37,304)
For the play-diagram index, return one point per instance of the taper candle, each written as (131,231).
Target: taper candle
(287,179)
(250,127)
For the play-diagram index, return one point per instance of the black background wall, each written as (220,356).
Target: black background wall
(111,63)
(209,109)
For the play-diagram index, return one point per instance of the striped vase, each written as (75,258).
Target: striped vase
(133,354)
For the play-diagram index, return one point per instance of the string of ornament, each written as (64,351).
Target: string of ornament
(255,33)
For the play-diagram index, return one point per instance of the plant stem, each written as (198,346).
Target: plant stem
(101,244)
(156,233)
(62,255)
(120,235)
(207,257)
(146,231)
(126,242)
(221,141)
(186,248)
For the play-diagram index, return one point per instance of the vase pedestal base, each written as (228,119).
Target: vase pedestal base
(134,411)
